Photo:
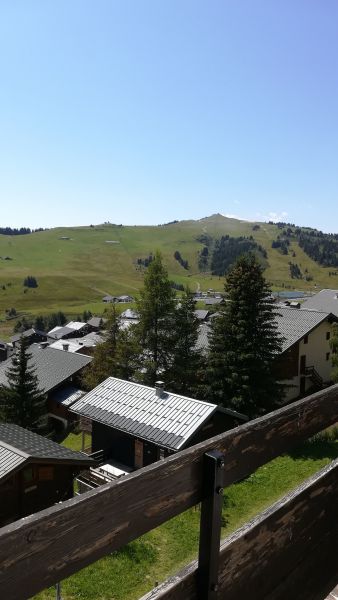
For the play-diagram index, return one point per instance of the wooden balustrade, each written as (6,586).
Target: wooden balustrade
(279,548)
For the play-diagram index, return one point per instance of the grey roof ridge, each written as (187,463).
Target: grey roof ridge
(140,385)
(14,449)
(305,309)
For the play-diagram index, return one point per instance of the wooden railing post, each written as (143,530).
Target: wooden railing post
(210,527)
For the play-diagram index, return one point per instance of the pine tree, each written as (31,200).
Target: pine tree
(182,375)
(117,356)
(22,401)
(155,307)
(244,343)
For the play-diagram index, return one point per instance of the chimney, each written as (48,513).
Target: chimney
(43,345)
(65,347)
(159,388)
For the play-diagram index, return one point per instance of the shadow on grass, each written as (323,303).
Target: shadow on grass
(321,445)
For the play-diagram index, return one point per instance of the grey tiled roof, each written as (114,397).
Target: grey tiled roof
(19,445)
(295,323)
(325,300)
(28,333)
(53,367)
(168,420)
(96,321)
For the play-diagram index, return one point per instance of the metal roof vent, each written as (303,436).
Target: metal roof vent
(159,388)
(65,347)
(43,345)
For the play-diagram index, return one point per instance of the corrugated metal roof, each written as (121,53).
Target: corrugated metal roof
(52,366)
(18,445)
(168,420)
(9,460)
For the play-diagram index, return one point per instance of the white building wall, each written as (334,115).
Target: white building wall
(316,351)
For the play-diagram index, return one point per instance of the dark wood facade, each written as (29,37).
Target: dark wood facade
(34,487)
(135,453)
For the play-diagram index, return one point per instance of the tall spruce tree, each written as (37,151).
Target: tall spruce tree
(156,307)
(183,374)
(117,356)
(244,343)
(22,401)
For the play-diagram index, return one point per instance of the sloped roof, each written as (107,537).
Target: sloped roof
(59,332)
(129,314)
(76,325)
(28,333)
(67,395)
(19,446)
(76,344)
(295,323)
(53,367)
(168,420)
(212,301)
(96,321)
(201,314)
(326,301)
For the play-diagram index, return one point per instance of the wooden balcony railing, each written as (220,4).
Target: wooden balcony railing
(290,551)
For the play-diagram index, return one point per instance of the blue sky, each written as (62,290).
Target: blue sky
(146,111)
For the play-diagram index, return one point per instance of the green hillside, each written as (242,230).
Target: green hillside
(74,274)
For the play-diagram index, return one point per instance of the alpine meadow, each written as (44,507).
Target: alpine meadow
(75,267)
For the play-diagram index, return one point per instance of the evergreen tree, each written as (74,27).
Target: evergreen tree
(21,400)
(182,375)
(155,307)
(117,356)
(39,323)
(244,342)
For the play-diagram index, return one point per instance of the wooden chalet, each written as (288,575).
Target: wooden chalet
(55,370)
(35,472)
(135,425)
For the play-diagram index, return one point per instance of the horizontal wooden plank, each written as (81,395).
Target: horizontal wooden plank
(288,551)
(42,549)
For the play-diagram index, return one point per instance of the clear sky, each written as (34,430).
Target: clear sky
(146,111)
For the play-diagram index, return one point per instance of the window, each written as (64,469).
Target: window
(306,339)
(328,356)
(328,335)
(46,473)
(29,475)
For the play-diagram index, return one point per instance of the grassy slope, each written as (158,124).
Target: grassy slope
(128,574)
(74,274)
